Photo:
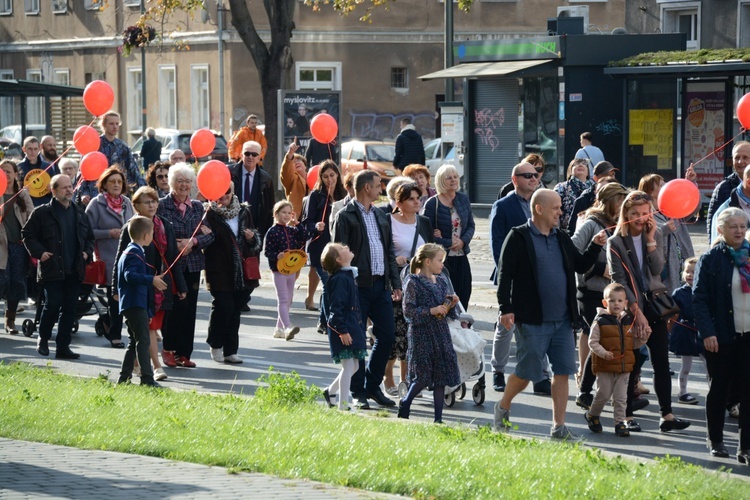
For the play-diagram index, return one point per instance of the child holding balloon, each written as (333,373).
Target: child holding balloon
(283,244)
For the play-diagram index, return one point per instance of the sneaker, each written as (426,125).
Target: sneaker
(159,374)
(278,334)
(594,424)
(687,399)
(584,400)
(563,433)
(621,430)
(321,328)
(290,332)
(498,381)
(502,419)
(185,361)
(392,391)
(233,358)
(633,425)
(168,358)
(734,411)
(217,355)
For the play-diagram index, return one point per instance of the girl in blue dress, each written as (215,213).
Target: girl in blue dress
(428,301)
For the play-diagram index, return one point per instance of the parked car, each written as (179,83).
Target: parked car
(13,132)
(172,139)
(433,152)
(378,155)
(10,150)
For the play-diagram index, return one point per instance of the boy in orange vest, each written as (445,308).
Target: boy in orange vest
(612,342)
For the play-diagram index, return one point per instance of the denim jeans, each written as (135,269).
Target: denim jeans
(61,297)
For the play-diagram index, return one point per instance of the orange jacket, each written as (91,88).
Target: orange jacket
(240,137)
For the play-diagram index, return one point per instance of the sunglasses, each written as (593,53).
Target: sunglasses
(251,153)
(161,176)
(641,197)
(528,175)
(539,170)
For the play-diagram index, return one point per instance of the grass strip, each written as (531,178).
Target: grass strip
(284,432)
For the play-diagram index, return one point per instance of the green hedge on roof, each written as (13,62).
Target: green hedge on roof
(702,56)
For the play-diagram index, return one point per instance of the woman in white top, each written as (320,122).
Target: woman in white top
(409,231)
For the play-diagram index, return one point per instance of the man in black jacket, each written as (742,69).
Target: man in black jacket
(740,161)
(365,230)
(409,146)
(59,235)
(537,291)
(254,186)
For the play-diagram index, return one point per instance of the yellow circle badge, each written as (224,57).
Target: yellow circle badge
(37,182)
(292,261)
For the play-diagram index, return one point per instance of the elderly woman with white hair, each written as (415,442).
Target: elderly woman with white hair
(185,215)
(449,212)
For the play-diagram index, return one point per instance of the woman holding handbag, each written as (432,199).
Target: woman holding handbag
(635,257)
(409,231)
(159,255)
(226,277)
(107,213)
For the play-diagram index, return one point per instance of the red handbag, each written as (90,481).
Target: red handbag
(96,273)
(251,268)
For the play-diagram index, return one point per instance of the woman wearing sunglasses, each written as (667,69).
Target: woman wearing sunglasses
(156,178)
(635,257)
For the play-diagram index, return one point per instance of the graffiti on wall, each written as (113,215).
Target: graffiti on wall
(486,121)
(381,126)
(609,127)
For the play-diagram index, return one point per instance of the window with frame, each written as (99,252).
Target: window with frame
(132,3)
(134,92)
(93,4)
(31,7)
(200,96)
(318,76)
(682,18)
(168,96)
(6,7)
(34,105)
(62,76)
(743,24)
(59,6)
(399,78)
(7,104)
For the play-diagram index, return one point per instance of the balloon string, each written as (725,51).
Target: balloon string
(2,206)
(182,252)
(323,219)
(712,153)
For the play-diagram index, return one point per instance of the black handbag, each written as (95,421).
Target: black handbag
(659,305)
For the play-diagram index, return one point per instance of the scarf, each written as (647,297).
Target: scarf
(226,213)
(114,203)
(160,236)
(742,195)
(740,259)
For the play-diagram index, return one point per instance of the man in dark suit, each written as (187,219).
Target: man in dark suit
(508,212)
(151,149)
(254,186)
(366,231)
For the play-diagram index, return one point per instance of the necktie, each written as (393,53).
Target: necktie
(246,191)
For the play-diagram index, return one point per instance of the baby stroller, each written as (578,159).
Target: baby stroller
(90,297)
(469,346)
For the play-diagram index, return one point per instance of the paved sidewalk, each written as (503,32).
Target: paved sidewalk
(35,470)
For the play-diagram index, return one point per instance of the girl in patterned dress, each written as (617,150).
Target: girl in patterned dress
(427,302)
(346,332)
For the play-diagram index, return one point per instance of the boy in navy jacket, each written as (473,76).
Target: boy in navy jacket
(133,282)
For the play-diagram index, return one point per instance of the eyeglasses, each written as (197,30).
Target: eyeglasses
(528,175)
(183,181)
(251,153)
(161,176)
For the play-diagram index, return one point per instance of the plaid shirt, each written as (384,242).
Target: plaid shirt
(377,256)
(119,152)
(183,226)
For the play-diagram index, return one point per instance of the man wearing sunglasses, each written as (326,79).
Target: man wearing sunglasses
(253,186)
(508,212)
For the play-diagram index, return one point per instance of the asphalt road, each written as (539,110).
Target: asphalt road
(308,354)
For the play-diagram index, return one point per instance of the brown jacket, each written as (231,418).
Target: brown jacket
(295,185)
(22,216)
(611,334)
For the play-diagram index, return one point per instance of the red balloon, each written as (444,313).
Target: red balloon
(86,139)
(93,165)
(743,111)
(324,128)
(3,183)
(679,198)
(202,143)
(312,176)
(214,180)
(98,97)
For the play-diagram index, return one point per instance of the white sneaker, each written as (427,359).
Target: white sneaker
(278,334)
(233,358)
(217,355)
(290,332)
(159,374)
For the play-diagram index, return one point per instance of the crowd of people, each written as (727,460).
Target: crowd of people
(590,262)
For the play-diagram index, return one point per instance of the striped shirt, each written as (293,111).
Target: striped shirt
(377,255)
